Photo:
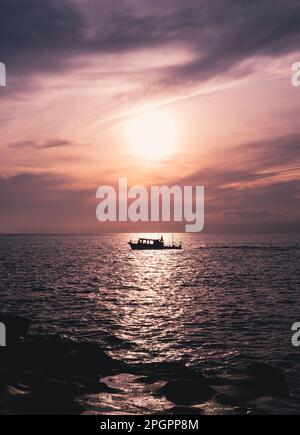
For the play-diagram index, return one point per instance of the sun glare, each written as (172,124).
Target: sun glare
(152,135)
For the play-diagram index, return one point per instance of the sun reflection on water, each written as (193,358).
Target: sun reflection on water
(148,308)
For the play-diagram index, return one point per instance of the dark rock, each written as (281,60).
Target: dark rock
(49,373)
(45,405)
(58,356)
(268,380)
(271,406)
(3,380)
(49,396)
(11,398)
(40,384)
(242,380)
(234,396)
(184,410)
(187,392)
(89,358)
(95,387)
(16,328)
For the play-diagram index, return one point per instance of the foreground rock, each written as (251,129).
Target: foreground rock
(259,380)
(53,375)
(183,410)
(238,391)
(46,374)
(188,392)
(271,406)
(269,380)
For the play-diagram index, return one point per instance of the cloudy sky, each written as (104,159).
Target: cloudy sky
(92,84)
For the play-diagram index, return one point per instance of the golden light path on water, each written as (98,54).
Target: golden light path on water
(155,308)
(151,308)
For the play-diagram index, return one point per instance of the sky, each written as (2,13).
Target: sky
(187,92)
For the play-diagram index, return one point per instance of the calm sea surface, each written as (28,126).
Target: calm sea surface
(222,300)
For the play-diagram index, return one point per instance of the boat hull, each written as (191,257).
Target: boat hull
(137,247)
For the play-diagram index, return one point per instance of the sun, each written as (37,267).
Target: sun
(152,135)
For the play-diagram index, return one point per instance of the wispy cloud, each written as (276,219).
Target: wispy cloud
(50,143)
(220,34)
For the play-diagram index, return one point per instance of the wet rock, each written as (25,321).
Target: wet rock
(234,396)
(59,356)
(259,380)
(53,371)
(268,380)
(50,374)
(90,358)
(40,384)
(184,410)
(10,398)
(3,380)
(271,406)
(187,392)
(95,387)
(241,379)
(49,396)
(46,405)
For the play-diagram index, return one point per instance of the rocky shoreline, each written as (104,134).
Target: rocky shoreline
(55,375)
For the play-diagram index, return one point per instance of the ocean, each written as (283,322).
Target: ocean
(224,300)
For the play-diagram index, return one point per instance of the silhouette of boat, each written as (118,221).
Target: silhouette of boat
(143,244)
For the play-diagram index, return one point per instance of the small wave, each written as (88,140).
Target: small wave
(251,247)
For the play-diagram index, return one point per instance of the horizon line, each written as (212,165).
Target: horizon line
(147,232)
